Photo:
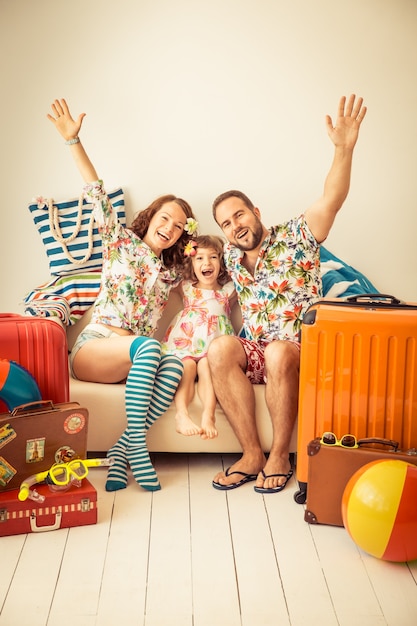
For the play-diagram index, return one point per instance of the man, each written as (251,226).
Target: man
(276,273)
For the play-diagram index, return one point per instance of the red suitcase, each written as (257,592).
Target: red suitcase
(358,373)
(60,509)
(40,346)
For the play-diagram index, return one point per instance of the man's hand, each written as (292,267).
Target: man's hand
(349,118)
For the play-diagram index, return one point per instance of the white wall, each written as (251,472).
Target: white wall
(195,97)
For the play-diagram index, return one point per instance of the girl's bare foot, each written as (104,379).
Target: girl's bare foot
(185,425)
(208,428)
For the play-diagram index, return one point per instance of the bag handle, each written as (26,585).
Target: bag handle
(41,529)
(373,297)
(382,442)
(56,231)
(31,407)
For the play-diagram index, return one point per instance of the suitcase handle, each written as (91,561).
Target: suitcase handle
(383,442)
(373,297)
(38,406)
(40,529)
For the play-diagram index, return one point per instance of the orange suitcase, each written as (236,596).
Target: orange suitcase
(358,373)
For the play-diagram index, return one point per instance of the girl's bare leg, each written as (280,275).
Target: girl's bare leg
(183,397)
(208,400)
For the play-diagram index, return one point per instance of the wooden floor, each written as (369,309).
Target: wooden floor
(189,555)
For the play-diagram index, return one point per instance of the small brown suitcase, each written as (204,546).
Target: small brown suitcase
(330,468)
(60,509)
(34,436)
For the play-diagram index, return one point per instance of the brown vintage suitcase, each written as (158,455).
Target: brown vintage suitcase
(331,467)
(34,436)
(60,509)
(358,373)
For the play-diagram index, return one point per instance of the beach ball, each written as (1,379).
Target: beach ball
(17,385)
(379,509)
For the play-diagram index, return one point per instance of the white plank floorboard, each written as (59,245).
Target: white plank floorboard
(395,589)
(33,585)
(215,588)
(10,551)
(123,588)
(350,588)
(304,583)
(189,555)
(258,572)
(78,586)
(413,569)
(169,592)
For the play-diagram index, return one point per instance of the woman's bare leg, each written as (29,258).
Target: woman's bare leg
(105,360)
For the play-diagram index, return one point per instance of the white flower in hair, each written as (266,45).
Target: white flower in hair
(191,226)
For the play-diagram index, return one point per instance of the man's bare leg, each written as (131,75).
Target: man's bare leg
(282,361)
(182,399)
(227,360)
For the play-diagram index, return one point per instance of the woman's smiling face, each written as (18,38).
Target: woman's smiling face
(165,227)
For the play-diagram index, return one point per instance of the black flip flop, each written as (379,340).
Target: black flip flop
(274,489)
(247,478)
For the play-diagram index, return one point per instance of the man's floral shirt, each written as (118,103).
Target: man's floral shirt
(134,283)
(286,282)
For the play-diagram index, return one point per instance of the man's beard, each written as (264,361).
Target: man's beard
(255,237)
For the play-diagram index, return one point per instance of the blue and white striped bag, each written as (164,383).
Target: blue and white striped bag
(70,234)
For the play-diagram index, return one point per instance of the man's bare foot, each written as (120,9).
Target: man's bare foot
(185,425)
(274,465)
(208,427)
(247,464)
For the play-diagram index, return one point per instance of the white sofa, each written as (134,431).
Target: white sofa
(107,417)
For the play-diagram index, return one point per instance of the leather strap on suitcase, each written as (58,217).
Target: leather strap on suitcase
(331,467)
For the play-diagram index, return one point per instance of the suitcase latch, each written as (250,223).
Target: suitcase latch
(85,505)
(3,515)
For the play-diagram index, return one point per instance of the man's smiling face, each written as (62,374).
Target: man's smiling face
(241,225)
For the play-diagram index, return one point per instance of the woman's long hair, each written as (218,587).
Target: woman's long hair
(173,256)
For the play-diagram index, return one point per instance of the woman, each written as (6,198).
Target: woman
(140,267)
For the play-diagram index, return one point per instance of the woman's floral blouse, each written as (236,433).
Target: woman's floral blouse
(134,283)
(287,281)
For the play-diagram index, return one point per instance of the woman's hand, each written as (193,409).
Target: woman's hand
(64,123)
(69,129)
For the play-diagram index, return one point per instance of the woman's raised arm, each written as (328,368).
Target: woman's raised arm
(69,129)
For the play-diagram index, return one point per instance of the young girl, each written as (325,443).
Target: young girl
(140,267)
(208,296)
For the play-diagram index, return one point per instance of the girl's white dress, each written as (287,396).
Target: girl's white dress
(206,315)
